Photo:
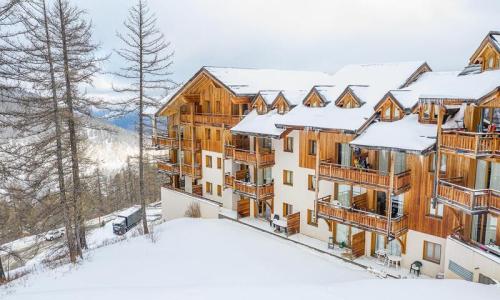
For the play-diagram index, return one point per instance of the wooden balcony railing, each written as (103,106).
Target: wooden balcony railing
(164,142)
(198,189)
(187,144)
(211,119)
(250,189)
(471,143)
(228,180)
(467,199)
(266,158)
(168,167)
(367,177)
(193,172)
(362,219)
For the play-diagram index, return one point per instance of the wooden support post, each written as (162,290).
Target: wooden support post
(193,142)
(316,176)
(257,160)
(437,168)
(389,194)
(181,159)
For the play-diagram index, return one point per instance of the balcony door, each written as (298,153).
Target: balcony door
(344,197)
(399,162)
(344,157)
(383,161)
(490,116)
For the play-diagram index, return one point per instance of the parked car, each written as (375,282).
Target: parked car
(54,234)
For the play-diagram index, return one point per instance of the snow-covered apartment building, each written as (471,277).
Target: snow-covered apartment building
(391,156)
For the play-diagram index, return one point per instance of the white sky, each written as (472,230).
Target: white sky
(318,35)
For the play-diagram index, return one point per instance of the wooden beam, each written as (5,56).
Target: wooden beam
(389,194)
(316,174)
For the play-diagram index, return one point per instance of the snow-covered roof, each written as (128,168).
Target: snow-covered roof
(370,82)
(295,97)
(406,134)
(255,124)
(243,81)
(449,85)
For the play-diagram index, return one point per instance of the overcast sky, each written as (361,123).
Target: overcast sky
(306,34)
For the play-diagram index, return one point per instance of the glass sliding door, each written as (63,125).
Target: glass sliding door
(383,160)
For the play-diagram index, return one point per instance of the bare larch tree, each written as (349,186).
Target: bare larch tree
(148,60)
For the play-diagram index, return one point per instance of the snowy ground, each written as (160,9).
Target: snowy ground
(220,259)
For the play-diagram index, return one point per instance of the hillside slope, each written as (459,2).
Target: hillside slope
(219,259)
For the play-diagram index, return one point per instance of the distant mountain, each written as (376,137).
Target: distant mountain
(110,145)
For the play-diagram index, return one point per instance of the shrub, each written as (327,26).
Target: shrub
(193,210)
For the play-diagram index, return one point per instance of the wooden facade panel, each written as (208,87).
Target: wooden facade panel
(327,146)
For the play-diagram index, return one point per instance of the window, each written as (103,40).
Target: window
(426,111)
(208,188)
(435,209)
(311,218)
(207,134)
(218,107)
(396,113)
(288,144)
(312,147)
(208,109)
(387,113)
(433,162)
(219,163)
(287,209)
(219,190)
(287,177)
(208,161)
(281,109)
(432,252)
(217,135)
(311,182)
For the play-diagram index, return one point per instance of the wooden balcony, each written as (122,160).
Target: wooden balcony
(361,219)
(198,189)
(466,199)
(368,178)
(190,171)
(471,143)
(265,158)
(168,167)
(187,144)
(211,119)
(249,189)
(164,142)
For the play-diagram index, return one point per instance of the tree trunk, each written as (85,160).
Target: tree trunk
(3,278)
(60,167)
(141,126)
(78,219)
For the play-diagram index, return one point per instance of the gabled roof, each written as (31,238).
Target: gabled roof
(359,92)
(245,81)
(268,96)
(375,80)
(493,38)
(403,98)
(248,82)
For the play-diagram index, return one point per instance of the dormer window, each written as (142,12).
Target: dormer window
(491,64)
(281,109)
(396,114)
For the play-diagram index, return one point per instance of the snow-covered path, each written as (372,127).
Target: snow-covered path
(219,259)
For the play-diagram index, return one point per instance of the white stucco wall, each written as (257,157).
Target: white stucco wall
(298,195)
(174,205)
(415,251)
(213,175)
(471,259)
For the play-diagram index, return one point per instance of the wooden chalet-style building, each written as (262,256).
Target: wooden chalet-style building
(393,158)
